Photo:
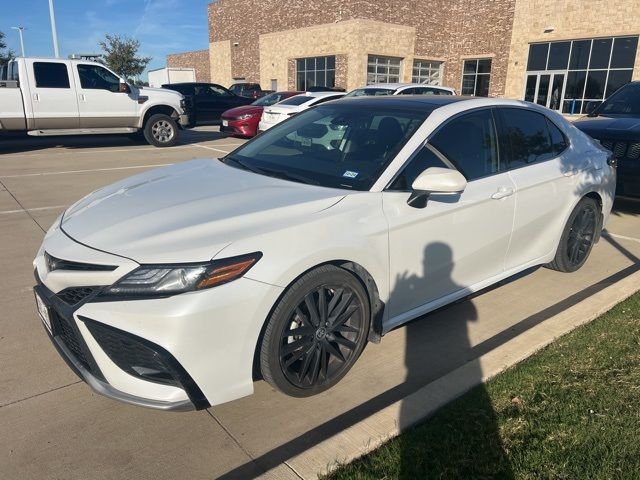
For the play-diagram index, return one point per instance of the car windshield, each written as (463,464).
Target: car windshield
(366,92)
(343,145)
(625,101)
(268,100)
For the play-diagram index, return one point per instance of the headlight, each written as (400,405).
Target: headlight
(245,116)
(165,280)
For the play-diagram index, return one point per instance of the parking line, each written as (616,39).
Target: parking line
(37,209)
(622,237)
(88,150)
(42,174)
(210,148)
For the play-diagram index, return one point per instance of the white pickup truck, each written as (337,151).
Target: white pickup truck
(45,96)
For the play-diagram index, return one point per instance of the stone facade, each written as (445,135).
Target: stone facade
(278,31)
(198,60)
(570,20)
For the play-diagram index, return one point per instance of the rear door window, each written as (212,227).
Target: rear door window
(525,136)
(51,75)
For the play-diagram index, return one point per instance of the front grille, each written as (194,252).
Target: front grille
(622,149)
(66,334)
(54,263)
(74,295)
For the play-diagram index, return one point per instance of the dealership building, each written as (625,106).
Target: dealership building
(558,53)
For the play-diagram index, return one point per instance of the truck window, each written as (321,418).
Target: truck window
(51,75)
(95,77)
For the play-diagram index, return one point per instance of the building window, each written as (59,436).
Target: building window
(476,75)
(567,75)
(315,72)
(427,72)
(383,69)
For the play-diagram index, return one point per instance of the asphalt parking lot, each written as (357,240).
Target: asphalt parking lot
(54,426)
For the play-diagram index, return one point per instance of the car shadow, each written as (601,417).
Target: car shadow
(23,143)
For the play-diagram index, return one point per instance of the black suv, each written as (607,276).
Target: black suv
(207,101)
(615,123)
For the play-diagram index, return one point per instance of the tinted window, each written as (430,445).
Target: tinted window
(211,91)
(408,91)
(424,159)
(538,56)
(94,77)
(327,99)
(183,89)
(558,140)
(526,136)
(580,54)
(361,92)
(51,75)
(477,155)
(334,145)
(558,55)
(600,53)
(624,52)
(625,101)
(296,100)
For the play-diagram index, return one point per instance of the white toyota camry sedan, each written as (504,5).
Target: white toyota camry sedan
(179,287)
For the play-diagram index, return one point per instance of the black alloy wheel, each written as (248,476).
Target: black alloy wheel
(316,332)
(582,235)
(578,237)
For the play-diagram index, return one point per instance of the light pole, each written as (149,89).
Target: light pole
(20,30)
(54,34)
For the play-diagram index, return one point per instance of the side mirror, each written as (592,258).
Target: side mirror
(435,180)
(590,108)
(124,88)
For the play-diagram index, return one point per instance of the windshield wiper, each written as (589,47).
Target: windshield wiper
(271,173)
(288,176)
(243,165)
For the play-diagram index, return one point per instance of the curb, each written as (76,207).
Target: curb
(366,435)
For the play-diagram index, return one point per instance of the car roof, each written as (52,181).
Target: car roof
(396,86)
(433,102)
(322,94)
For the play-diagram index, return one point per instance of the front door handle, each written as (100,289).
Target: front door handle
(36,97)
(503,192)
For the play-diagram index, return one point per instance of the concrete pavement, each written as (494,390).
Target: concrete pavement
(55,427)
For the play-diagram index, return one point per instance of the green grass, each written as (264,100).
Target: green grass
(571,411)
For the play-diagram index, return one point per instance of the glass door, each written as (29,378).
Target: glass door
(546,89)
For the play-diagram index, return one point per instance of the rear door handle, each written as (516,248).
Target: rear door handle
(36,97)
(503,192)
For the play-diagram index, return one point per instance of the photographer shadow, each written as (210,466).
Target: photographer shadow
(467,443)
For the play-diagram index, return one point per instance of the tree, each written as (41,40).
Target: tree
(5,55)
(120,54)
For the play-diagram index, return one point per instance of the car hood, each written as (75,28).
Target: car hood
(190,211)
(245,109)
(600,127)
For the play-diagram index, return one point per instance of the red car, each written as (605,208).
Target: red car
(243,121)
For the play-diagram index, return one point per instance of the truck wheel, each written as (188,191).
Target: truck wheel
(161,130)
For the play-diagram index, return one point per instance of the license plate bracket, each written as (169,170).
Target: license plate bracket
(43,311)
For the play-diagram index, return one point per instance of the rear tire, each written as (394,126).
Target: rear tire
(578,237)
(161,130)
(316,332)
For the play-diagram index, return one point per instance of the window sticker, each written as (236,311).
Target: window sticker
(350,174)
(306,141)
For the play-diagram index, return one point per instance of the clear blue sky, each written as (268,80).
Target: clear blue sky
(161,26)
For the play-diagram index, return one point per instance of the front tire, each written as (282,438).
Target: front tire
(316,332)
(161,130)
(578,237)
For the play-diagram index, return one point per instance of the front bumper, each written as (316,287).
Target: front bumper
(204,342)
(239,128)
(185,120)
